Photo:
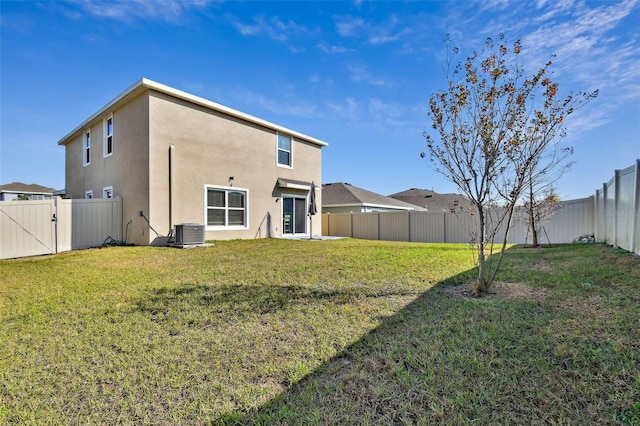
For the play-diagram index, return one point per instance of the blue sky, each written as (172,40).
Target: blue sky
(355,74)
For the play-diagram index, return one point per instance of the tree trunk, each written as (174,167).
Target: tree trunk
(532,214)
(481,286)
(534,230)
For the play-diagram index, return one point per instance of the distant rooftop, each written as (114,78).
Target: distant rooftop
(345,194)
(431,200)
(25,188)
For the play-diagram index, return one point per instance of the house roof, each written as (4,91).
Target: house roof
(341,194)
(24,188)
(431,200)
(145,84)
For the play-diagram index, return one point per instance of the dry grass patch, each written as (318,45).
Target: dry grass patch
(500,290)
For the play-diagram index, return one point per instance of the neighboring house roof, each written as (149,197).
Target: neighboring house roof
(431,200)
(342,194)
(145,84)
(23,188)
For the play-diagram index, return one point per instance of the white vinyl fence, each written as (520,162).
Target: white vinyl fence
(612,216)
(30,228)
(618,210)
(570,220)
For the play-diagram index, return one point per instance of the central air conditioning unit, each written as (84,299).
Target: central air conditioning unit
(189,234)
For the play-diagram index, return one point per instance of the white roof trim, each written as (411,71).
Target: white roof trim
(17,192)
(291,185)
(380,206)
(145,83)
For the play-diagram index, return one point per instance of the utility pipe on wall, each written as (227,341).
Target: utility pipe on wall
(172,149)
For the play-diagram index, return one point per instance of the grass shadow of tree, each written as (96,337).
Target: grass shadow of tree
(419,366)
(248,299)
(441,359)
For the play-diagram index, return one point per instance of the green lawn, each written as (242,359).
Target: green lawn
(319,332)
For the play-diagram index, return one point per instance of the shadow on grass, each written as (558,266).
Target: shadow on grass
(424,364)
(420,363)
(441,359)
(253,299)
(451,360)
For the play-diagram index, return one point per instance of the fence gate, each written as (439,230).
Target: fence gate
(27,228)
(31,228)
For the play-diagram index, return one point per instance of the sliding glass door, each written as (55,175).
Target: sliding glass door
(294,215)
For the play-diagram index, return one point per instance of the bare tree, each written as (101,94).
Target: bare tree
(491,126)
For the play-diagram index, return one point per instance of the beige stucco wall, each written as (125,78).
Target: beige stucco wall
(126,170)
(210,147)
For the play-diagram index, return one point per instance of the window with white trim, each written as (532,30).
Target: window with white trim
(107,192)
(86,150)
(88,195)
(226,207)
(284,150)
(108,136)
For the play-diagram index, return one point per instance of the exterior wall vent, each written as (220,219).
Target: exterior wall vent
(189,233)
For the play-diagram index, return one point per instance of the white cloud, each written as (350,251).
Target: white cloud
(374,33)
(285,105)
(361,74)
(333,50)
(274,27)
(348,25)
(376,114)
(595,45)
(585,51)
(171,11)
(347,109)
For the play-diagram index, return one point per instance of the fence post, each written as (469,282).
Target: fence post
(351,224)
(444,227)
(409,225)
(616,199)
(594,223)
(636,208)
(605,211)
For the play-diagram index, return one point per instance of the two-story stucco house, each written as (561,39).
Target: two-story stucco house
(177,158)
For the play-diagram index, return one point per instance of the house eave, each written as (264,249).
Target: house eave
(146,84)
(294,184)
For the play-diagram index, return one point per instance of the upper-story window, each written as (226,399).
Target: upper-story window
(88,195)
(86,151)
(284,151)
(108,136)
